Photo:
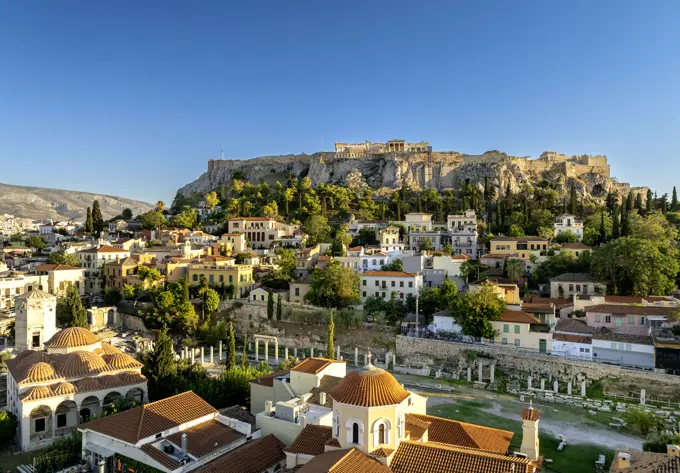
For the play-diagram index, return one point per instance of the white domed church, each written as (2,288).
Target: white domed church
(72,379)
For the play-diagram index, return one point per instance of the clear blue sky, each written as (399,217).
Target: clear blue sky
(132,98)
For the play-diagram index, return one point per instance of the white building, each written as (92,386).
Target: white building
(179,434)
(76,376)
(383,283)
(93,260)
(573,346)
(260,232)
(36,313)
(568,285)
(374,261)
(568,223)
(463,231)
(389,240)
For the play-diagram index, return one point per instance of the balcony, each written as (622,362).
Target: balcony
(539,328)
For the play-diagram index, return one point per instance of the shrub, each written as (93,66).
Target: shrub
(8,426)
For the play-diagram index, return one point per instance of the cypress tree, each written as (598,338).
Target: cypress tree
(625,223)
(629,202)
(572,200)
(638,202)
(508,190)
(615,224)
(674,199)
(231,347)
(161,365)
(279,309)
(89,228)
(330,350)
(244,356)
(650,200)
(486,190)
(419,206)
(75,306)
(97,219)
(270,306)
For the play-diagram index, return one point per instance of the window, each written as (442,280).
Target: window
(410,284)
(401,283)
(394,283)
(363,282)
(297,291)
(516,328)
(642,320)
(363,294)
(504,341)
(355,432)
(516,342)
(619,321)
(598,318)
(578,288)
(194,277)
(254,297)
(35,342)
(61,420)
(506,328)
(571,288)
(377,294)
(40,425)
(377,283)
(230,278)
(381,434)
(262,298)
(221,277)
(631,320)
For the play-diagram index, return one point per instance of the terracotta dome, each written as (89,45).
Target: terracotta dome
(64,388)
(121,361)
(108,349)
(88,384)
(369,387)
(41,371)
(31,359)
(131,377)
(23,354)
(80,363)
(38,392)
(72,337)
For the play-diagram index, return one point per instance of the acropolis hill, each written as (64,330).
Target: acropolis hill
(394,163)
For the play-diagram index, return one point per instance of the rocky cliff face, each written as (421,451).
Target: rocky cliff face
(441,170)
(42,203)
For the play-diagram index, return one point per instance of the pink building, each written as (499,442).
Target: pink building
(628,319)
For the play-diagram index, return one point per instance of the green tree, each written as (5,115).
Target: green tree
(317,228)
(474,311)
(212,200)
(97,218)
(638,202)
(279,308)
(396,265)
(126,214)
(36,242)
(76,313)
(514,269)
(515,230)
(231,347)
(650,201)
(89,225)
(8,427)
(160,365)
(425,245)
(270,306)
(128,292)
(674,200)
(244,355)
(335,286)
(573,199)
(566,237)
(616,231)
(68,259)
(153,220)
(188,218)
(330,345)
(211,301)
(641,419)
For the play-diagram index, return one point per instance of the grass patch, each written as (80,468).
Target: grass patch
(574,459)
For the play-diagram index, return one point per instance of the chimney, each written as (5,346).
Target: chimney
(530,432)
(267,407)
(303,420)
(322,398)
(185,444)
(673,450)
(101,465)
(623,460)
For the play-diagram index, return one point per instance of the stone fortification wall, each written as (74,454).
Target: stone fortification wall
(439,353)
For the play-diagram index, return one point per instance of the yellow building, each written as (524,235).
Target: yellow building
(218,273)
(504,288)
(523,246)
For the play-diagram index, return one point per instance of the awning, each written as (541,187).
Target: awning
(99,450)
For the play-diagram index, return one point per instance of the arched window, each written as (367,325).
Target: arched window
(355,433)
(381,434)
(336,423)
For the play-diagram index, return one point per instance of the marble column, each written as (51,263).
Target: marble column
(365,359)
(220,351)
(583,388)
(469,375)
(276,351)
(529,382)
(266,351)
(480,372)
(542,384)
(212,354)
(285,353)
(569,387)
(295,353)
(311,352)
(643,397)
(356,356)
(337,352)
(257,356)
(556,386)
(202,355)
(492,373)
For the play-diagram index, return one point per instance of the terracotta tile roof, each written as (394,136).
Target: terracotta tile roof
(530,414)
(344,461)
(432,457)
(268,380)
(390,274)
(461,256)
(72,337)
(239,413)
(326,383)
(104,249)
(39,372)
(573,326)
(314,365)
(565,337)
(605,334)
(522,238)
(165,460)
(574,277)
(630,309)
(251,219)
(80,363)
(144,421)
(519,317)
(416,427)
(575,246)
(462,434)
(206,437)
(557,302)
(382,452)
(121,361)
(333,442)
(253,457)
(37,392)
(311,440)
(57,267)
(646,462)
(369,388)
(538,308)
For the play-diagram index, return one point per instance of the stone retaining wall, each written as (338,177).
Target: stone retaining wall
(458,356)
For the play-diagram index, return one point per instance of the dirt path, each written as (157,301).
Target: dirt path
(573,432)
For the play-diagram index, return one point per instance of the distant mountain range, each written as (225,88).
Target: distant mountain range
(59,204)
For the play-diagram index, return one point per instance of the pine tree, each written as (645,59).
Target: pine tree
(674,200)
(603,230)
(638,202)
(650,200)
(160,365)
(231,347)
(279,309)
(270,306)
(89,228)
(625,222)
(615,224)
(629,202)
(244,356)
(76,309)
(572,200)
(330,350)
(97,219)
